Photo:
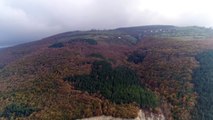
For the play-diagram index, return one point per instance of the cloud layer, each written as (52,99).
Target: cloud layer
(27,20)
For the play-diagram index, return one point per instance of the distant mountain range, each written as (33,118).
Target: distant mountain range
(4,46)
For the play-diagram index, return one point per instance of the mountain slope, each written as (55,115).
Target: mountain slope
(33,76)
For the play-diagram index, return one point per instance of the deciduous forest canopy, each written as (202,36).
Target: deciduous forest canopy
(160,69)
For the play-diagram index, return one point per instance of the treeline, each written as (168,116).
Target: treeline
(83,40)
(87,41)
(57,45)
(120,85)
(203,80)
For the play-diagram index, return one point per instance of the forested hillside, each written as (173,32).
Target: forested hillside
(163,70)
(203,80)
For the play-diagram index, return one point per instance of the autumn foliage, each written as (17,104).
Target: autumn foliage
(109,73)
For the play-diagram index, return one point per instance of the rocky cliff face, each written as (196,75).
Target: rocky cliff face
(141,116)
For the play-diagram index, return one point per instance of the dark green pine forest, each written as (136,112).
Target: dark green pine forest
(203,80)
(120,85)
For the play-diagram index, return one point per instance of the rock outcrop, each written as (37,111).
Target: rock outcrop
(141,116)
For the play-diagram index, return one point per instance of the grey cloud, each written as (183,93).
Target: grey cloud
(27,20)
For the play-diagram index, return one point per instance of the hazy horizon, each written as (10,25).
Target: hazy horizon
(26,20)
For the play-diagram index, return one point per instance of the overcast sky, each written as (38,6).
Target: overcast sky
(27,20)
